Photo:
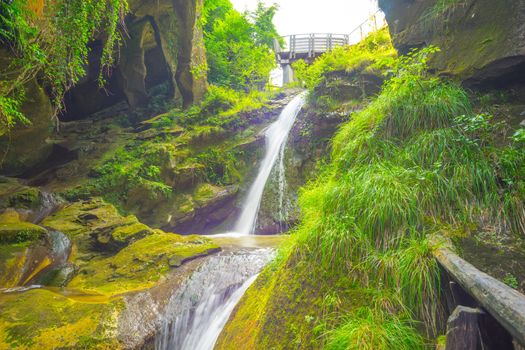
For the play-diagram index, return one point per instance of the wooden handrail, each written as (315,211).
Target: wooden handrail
(503,303)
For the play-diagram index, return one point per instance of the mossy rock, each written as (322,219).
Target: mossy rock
(126,234)
(19,232)
(15,195)
(13,259)
(286,305)
(41,319)
(96,225)
(206,193)
(141,264)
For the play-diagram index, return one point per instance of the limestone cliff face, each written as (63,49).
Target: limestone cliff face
(170,27)
(482,41)
(163,44)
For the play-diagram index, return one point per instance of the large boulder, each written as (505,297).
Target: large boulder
(482,41)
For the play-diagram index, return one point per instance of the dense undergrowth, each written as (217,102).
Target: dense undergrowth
(198,142)
(417,161)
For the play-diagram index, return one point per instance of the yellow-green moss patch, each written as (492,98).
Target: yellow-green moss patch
(141,264)
(41,319)
(18,232)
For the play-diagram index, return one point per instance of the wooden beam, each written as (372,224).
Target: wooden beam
(505,304)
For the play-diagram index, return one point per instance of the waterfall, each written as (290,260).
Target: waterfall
(198,311)
(281,179)
(276,137)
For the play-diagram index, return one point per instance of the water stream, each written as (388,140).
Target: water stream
(276,136)
(198,311)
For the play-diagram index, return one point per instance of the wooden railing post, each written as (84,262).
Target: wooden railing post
(504,304)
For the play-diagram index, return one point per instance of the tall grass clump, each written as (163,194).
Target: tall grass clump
(368,330)
(415,159)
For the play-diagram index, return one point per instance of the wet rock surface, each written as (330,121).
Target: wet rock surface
(64,283)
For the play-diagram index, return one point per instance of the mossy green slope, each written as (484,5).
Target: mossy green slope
(42,319)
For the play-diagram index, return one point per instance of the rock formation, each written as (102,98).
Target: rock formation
(163,44)
(481,41)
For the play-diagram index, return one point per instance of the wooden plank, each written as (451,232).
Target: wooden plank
(505,304)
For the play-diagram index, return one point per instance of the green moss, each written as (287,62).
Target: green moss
(205,193)
(15,195)
(19,232)
(95,221)
(141,264)
(125,234)
(45,320)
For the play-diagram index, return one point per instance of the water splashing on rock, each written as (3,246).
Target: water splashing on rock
(198,311)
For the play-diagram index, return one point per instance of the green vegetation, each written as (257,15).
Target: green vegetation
(49,40)
(239,46)
(368,331)
(374,54)
(177,151)
(511,281)
(410,165)
(416,161)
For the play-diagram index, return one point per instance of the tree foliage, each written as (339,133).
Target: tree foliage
(50,42)
(239,46)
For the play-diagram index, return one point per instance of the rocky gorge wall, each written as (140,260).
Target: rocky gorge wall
(482,42)
(163,44)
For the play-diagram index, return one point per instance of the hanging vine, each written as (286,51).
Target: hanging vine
(49,41)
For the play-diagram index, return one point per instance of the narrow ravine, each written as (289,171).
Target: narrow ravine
(198,311)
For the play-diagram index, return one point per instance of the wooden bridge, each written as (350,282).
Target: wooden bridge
(310,46)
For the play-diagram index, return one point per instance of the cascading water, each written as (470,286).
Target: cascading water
(200,309)
(276,136)
(281,180)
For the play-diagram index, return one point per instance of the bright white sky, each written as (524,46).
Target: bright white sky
(316,16)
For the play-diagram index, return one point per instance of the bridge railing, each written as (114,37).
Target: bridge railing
(312,44)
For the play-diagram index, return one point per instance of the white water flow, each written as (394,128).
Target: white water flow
(198,311)
(281,178)
(276,137)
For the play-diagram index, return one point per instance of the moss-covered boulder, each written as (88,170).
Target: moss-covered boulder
(96,225)
(14,194)
(20,232)
(23,253)
(112,258)
(116,254)
(140,265)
